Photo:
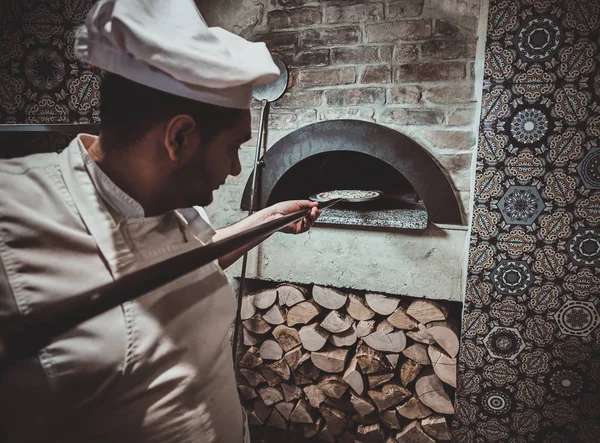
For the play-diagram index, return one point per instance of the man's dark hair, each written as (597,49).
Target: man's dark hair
(128,110)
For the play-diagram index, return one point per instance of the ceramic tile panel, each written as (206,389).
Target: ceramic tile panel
(41,81)
(529,366)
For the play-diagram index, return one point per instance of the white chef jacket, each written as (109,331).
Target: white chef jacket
(157,369)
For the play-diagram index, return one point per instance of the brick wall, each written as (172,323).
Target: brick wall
(408,65)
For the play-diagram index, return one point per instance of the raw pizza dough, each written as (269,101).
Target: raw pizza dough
(349,194)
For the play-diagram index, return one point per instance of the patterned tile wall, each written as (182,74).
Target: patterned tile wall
(41,81)
(530,358)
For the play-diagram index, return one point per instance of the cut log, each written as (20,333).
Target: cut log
(413,433)
(370,433)
(336,421)
(367,419)
(302,313)
(418,353)
(251,359)
(336,322)
(353,377)
(328,298)
(370,360)
(276,420)
(401,320)
(390,419)
(250,339)
(384,326)
(343,404)
(431,392)
(314,395)
(291,392)
(309,370)
(253,419)
(365,327)
(436,427)
(285,409)
(270,395)
(257,325)
(252,377)
(246,392)
(386,341)
(333,386)
(261,410)
(281,368)
(425,311)
(270,350)
(325,435)
(311,429)
(274,316)
(389,396)
(287,338)
(265,299)
(305,357)
(301,379)
(414,409)
(361,405)
(358,309)
(393,359)
(293,357)
(248,309)
(409,371)
(445,336)
(421,335)
(330,360)
(272,377)
(346,338)
(382,304)
(443,366)
(376,380)
(300,413)
(290,295)
(313,337)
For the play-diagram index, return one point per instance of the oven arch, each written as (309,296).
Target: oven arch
(385,144)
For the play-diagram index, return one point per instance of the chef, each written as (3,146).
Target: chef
(174,111)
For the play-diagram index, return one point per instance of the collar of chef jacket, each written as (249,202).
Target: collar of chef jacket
(124,207)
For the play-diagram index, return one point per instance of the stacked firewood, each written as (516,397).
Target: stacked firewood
(345,367)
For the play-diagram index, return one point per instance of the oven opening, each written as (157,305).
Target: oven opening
(353,154)
(400,207)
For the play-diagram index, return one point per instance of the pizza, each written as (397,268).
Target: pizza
(348,194)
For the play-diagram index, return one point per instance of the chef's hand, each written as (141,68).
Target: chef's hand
(284,208)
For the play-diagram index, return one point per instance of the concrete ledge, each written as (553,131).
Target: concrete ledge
(424,264)
(384,218)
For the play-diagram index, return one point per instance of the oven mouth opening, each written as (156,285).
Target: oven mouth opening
(400,207)
(354,154)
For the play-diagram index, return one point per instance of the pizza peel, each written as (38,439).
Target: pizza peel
(346,196)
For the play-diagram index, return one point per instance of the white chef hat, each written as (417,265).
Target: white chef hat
(167,45)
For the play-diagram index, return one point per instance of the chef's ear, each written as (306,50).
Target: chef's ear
(180,137)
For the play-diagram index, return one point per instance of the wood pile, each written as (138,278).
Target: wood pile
(344,367)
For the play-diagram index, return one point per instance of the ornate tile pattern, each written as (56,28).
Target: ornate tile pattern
(529,368)
(41,81)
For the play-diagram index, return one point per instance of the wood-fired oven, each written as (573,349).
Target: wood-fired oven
(351,154)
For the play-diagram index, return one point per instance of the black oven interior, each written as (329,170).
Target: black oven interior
(346,170)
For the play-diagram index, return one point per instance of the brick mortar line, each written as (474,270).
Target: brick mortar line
(387,86)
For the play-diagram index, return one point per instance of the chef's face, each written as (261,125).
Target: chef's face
(212,162)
